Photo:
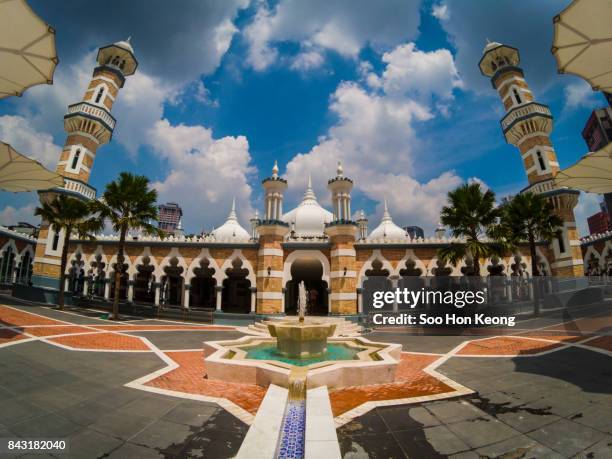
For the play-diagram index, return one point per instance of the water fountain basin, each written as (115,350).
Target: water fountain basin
(301,339)
(371,363)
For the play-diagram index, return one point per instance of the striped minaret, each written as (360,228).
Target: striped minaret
(88,125)
(527,125)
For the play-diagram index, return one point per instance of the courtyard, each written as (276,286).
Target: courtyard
(138,388)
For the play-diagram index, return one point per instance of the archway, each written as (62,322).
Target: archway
(411,278)
(123,281)
(144,282)
(98,276)
(7,265)
(309,270)
(236,295)
(25,269)
(202,291)
(172,284)
(376,280)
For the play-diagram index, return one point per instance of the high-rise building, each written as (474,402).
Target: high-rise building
(527,125)
(599,223)
(415,232)
(88,125)
(170,218)
(597,132)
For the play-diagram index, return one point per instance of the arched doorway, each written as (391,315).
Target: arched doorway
(202,291)
(377,280)
(309,270)
(144,282)
(7,265)
(123,281)
(236,294)
(98,276)
(172,284)
(25,269)
(411,278)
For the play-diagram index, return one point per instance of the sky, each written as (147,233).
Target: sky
(225,87)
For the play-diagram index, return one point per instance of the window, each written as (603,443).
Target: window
(561,243)
(55,241)
(99,95)
(540,160)
(75,158)
(517,97)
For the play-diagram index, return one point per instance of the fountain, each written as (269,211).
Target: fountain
(301,340)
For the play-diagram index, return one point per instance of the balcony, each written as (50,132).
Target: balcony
(92,111)
(76,186)
(524,112)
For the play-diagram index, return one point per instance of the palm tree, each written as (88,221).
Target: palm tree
(470,214)
(529,217)
(71,215)
(127,203)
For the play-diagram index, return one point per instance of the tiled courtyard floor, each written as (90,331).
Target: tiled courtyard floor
(138,389)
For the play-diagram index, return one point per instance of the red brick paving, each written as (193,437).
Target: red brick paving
(14,317)
(410,381)
(189,378)
(602,342)
(157,327)
(506,345)
(50,331)
(103,341)
(7,336)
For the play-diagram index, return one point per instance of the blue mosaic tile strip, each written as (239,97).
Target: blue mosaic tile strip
(293,431)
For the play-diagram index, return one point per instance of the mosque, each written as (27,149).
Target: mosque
(235,271)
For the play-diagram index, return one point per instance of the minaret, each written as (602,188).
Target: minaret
(341,232)
(88,125)
(270,292)
(527,125)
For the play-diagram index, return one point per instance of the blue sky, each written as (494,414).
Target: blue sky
(391,88)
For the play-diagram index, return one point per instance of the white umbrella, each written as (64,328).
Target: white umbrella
(592,173)
(582,43)
(20,173)
(27,49)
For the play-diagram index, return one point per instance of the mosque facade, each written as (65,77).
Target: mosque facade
(233,270)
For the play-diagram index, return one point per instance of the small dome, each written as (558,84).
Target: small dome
(387,229)
(125,44)
(308,218)
(231,229)
(491,45)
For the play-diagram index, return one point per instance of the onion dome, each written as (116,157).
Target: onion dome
(308,218)
(387,229)
(231,229)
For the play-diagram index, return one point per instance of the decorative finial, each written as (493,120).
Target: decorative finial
(488,41)
(309,180)
(309,194)
(275,169)
(339,170)
(128,39)
(386,214)
(232,215)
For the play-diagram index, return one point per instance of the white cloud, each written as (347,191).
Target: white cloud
(579,94)
(19,133)
(440,11)
(11,215)
(204,173)
(343,26)
(421,74)
(375,138)
(307,60)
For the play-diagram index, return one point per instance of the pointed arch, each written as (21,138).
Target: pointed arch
(237,253)
(297,254)
(376,255)
(195,263)
(410,255)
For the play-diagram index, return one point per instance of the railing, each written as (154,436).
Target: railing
(93,110)
(540,187)
(532,108)
(77,186)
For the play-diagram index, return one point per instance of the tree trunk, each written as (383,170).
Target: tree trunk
(118,272)
(476,267)
(534,275)
(63,263)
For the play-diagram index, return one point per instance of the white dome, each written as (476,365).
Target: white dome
(387,229)
(308,218)
(231,229)
(491,45)
(125,44)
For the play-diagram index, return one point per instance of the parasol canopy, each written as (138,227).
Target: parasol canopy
(20,173)
(592,173)
(27,49)
(582,42)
